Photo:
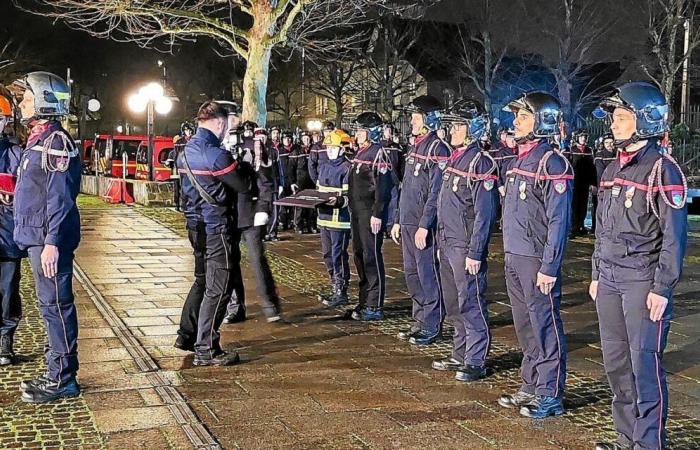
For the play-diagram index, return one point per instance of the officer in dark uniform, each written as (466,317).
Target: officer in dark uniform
(210,187)
(318,151)
(179,141)
(505,156)
(273,145)
(47,225)
(287,177)
(254,210)
(416,220)
(391,145)
(581,157)
(10,254)
(466,213)
(303,217)
(370,192)
(602,159)
(334,217)
(637,262)
(537,214)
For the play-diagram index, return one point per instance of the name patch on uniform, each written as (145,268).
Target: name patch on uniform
(616,191)
(488,185)
(560,186)
(411,160)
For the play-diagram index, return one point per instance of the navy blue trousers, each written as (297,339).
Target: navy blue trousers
(10,302)
(334,245)
(423,279)
(369,260)
(538,327)
(57,308)
(633,348)
(465,304)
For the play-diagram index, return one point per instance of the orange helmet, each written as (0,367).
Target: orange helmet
(5,106)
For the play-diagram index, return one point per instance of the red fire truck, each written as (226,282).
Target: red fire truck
(106,156)
(162,146)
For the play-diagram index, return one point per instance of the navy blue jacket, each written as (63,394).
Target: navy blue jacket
(317,157)
(421,182)
(602,160)
(468,201)
(45,200)
(10,155)
(504,157)
(334,176)
(219,175)
(371,181)
(287,169)
(260,196)
(300,160)
(631,241)
(537,207)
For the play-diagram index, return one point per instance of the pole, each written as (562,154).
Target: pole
(149,152)
(685,90)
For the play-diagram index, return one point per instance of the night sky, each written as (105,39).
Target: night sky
(112,70)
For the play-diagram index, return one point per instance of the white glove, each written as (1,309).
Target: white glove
(260,219)
(281,189)
(295,188)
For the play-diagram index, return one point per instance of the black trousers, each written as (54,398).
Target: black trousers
(190,311)
(265,283)
(217,272)
(579,206)
(369,261)
(10,302)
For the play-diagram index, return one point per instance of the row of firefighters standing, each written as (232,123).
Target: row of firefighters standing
(444,218)
(447,207)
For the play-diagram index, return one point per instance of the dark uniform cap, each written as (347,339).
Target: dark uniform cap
(546,109)
(424,104)
(643,99)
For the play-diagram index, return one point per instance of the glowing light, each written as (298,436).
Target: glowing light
(94,105)
(314,125)
(163,105)
(137,103)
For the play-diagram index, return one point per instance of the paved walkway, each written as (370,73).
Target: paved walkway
(316,381)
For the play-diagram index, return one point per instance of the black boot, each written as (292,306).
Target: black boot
(339,297)
(7,355)
(183,344)
(49,390)
(219,358)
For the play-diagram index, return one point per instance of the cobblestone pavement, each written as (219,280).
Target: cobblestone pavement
(318,380)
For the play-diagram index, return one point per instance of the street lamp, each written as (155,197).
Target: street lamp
(151,98)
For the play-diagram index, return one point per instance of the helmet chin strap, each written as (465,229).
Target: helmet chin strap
(623,144)
(530,137)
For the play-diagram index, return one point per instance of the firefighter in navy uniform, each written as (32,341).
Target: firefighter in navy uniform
(391,145)
(466,213)
(536,220)
(212,179)
(273,145)
(637,261)
(179,141)
(370,192)
(415,221)
(47,225)
(254,209)
(334,217)
(602,159)
(10,254)
(286,178)
(303,217)
(581,157)
(318,150)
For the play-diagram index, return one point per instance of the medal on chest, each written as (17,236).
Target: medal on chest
(416,171)
(629,193)
(522,189)
(455,184)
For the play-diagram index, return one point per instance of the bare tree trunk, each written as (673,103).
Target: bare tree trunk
(255,83)
(488,66)
(339,110)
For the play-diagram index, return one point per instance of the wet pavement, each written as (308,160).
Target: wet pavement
(315,381)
